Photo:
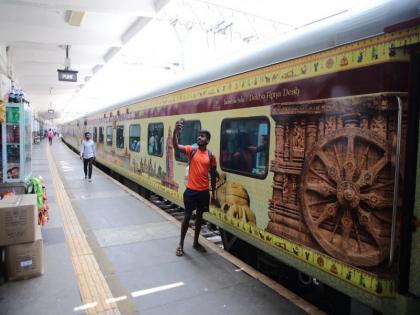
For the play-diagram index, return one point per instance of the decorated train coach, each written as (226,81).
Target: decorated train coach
(316,141)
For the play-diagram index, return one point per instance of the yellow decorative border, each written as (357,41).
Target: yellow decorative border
(359,278)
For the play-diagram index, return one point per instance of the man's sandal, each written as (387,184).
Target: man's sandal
(179,252)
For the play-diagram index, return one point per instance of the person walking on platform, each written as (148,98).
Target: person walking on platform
(50,135)
(88,154)
(196,196)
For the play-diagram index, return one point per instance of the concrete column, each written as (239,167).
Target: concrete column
(5,83)
(3,60)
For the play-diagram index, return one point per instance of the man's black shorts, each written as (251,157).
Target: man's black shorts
(194,199)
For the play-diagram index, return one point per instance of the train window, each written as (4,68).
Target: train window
(187,136)
(95,134)
(101,134)
(134,138)
(120,137)
(109,135)
(244,146)
(155,139)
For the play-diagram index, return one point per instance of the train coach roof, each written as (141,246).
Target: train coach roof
(340,29)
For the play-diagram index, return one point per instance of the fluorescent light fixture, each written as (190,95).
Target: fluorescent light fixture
(75,18)
(96,68)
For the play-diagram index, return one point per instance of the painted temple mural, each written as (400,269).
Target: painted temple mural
(233,199)
(168,178)
(333,176)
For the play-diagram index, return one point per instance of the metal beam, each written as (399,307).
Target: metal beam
(41,92)
(23,55)
(37,68)
(46,35)
(129,7)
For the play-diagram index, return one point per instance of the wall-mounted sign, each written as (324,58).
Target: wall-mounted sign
(67,75)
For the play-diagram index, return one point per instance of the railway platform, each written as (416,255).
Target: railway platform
(109,251)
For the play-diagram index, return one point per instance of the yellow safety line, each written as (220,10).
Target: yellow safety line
(93,287)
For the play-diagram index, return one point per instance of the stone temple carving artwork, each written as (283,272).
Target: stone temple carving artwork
(333,176)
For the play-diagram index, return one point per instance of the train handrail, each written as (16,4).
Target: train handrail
(396,183)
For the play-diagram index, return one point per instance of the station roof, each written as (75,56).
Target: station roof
(121,48)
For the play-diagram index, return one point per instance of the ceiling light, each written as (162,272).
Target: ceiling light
(75,18)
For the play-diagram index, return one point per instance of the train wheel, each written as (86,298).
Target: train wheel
(346,195)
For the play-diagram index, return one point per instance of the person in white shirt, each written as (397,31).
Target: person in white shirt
(88,154)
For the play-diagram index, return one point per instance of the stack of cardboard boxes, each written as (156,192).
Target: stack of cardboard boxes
(21,235)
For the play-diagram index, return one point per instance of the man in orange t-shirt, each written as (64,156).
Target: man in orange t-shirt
(196,195)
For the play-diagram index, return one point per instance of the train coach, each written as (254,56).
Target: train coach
(316,141)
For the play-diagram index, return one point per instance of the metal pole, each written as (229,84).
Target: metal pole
(396,183)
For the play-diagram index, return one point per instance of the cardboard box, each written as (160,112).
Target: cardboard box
(17,188)
(25,260)
(18,218)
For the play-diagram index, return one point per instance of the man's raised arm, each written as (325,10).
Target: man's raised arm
(177,130)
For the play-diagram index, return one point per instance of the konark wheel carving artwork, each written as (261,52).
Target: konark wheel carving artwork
(346,195)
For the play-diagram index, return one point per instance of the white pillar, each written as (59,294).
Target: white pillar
(3,60)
